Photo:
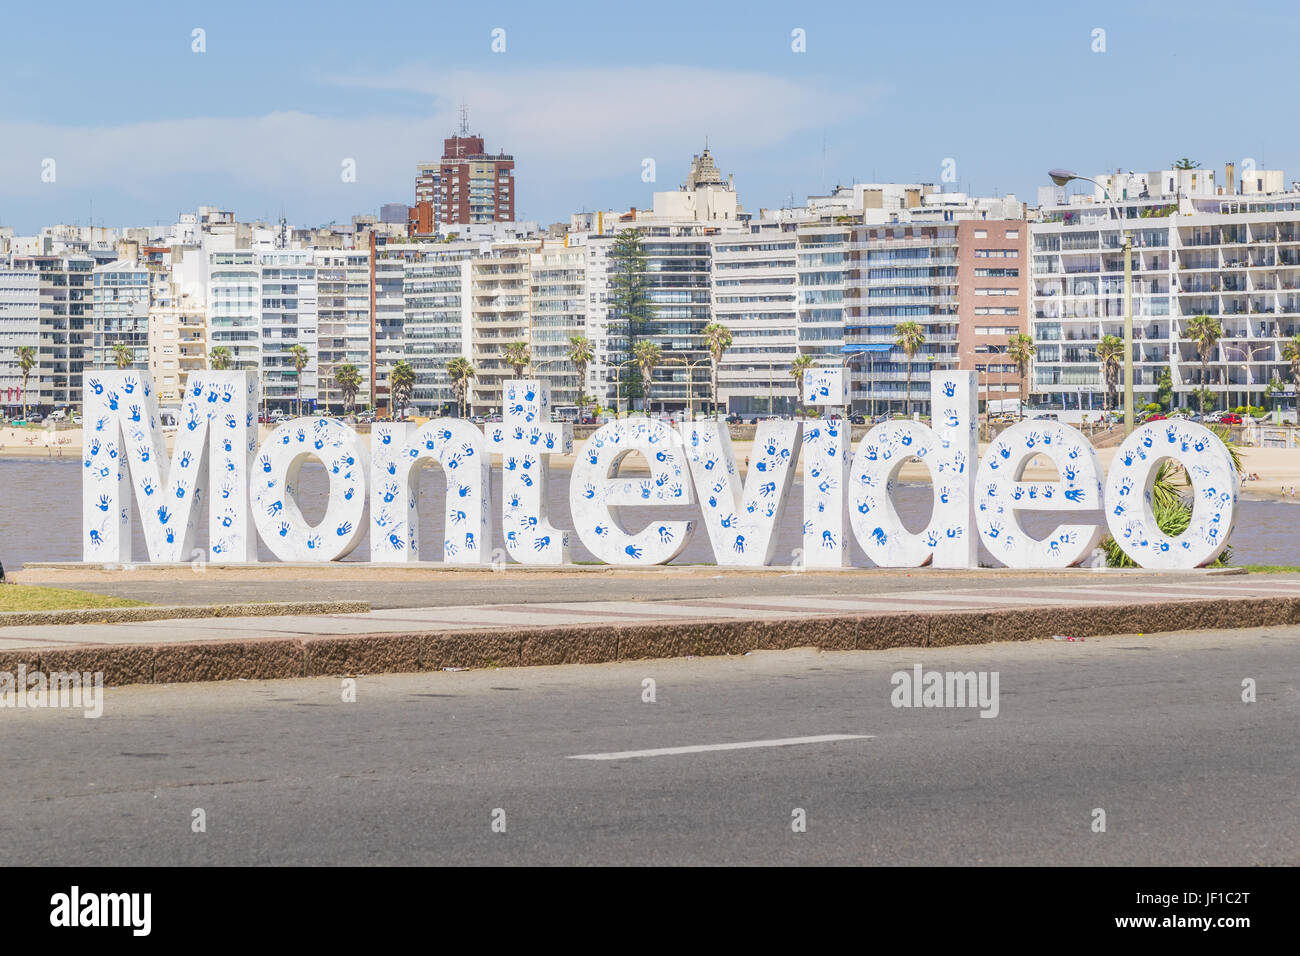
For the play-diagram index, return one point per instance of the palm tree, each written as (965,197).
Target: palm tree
(1109,352)
(1205,332)
(219,358)
(1291,352)
(648,355)
(26,362)
(909,336)
(347,378)
(580,354)
(1021,350)
(123,355)
(517,357)
(717,339)
(460,372)
(797,369)
(300,359)
(401,382)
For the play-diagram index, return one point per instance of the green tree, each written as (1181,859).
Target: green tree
(123,355)
(629,300)
(648,355)
(1165,390)
(1205,332)
(347,378)
(1186,163)
(26,362)
(798,368)
(909,336)
(460,372)
(301,358)
(717,339)
(580,354)
(401,382)
(1110,350)
(219,358)
(517,357)
(1021,350)
(1291,353)
(629,284)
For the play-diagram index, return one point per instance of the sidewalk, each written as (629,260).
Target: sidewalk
(413,639)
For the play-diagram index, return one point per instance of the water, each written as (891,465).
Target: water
(40,518)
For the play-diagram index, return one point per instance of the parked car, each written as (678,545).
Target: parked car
(735,420)
(1049,417)
(857,419)
(1230,418)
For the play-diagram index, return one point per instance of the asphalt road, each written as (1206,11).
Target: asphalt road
(535,588)
(1151,729)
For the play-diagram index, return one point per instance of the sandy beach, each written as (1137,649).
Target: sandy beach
(1277,468)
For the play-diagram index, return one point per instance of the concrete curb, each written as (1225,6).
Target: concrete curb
(270,658)
(165,612)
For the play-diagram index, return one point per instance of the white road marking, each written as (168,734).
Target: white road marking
(702,748)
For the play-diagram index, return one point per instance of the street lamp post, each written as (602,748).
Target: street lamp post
(1061,177)
(690,382)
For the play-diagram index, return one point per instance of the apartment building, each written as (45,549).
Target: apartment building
(499,311)
(234,306)
(992,306)
(389,321)
(608,336)
(177,339)
(756,296)
(438,320)
(65,292)
(1198,249)
(558,313)
(342,323)
(473,186)
(20,327)
(289,319)
(120,313)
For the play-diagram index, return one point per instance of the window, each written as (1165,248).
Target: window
(1013,233)
(981,233)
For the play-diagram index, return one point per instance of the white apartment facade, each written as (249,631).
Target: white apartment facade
(1232,256)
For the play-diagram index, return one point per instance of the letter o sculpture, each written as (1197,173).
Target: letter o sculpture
(1130,512)
(276,514)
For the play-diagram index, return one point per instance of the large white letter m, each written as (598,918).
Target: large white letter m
(125,461)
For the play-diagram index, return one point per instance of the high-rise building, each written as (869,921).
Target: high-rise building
(1198,249)
(756,296)
(343,322)
(289,319)
(436,288)
(499,296)
(66,289)
(558,311)
(177,337)
(992,305)
(120,313)
(474,187)
(20,327)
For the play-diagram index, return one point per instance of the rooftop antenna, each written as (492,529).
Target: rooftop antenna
(464,119)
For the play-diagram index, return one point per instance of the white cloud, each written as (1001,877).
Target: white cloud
(564,126)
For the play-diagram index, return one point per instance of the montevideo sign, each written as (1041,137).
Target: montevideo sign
(248,491)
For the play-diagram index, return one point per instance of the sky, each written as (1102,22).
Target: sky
(285,96)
